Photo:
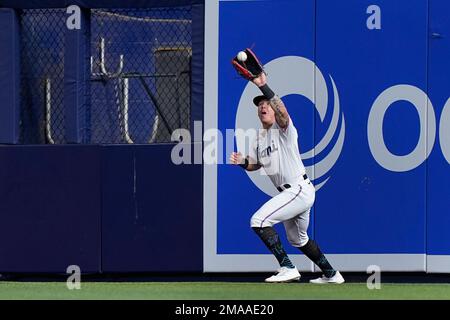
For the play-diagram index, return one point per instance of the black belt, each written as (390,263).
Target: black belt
(287,185)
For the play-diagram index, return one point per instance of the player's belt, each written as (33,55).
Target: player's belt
(287,185)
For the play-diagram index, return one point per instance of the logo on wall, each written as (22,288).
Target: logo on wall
(428,128)
(295,75)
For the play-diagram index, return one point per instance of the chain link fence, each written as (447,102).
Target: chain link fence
(140,90)
(42,76)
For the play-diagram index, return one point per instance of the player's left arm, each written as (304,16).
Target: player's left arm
(281,113)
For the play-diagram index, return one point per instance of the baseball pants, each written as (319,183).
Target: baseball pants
(292,207)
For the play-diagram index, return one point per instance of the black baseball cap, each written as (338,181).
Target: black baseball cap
(258,99)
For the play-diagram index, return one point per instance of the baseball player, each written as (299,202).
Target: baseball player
(276,150)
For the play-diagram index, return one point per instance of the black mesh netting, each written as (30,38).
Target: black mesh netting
(140,75)
(42,76)
(140,90)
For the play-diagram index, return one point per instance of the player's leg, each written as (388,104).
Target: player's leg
(271,239)
(278,209)
(330,275)
(296,231)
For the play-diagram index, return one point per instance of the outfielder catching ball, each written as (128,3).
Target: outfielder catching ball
(276,150)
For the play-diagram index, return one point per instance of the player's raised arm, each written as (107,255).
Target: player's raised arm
(248,66)
(281,113)
(236,158)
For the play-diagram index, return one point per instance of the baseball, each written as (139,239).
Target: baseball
(242,56)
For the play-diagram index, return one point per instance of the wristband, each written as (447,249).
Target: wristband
(245,164)
(267,92)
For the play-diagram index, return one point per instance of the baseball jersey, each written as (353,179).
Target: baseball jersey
(276,150)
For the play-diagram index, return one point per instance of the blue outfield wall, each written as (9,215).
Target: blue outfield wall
(438,186)
(152,211)
(50,208)
(103,208)
(363,200)
(381,149)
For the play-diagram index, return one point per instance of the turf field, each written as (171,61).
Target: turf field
(218,290)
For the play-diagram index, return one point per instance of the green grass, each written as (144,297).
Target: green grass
(218,290)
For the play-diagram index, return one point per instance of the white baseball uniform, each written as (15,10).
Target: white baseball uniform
(276,150)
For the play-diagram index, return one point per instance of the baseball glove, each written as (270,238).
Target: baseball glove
(250,68)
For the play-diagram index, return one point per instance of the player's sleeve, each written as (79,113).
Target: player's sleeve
(290,132)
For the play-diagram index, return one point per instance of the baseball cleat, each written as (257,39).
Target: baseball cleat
(284,275)
(336,279)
